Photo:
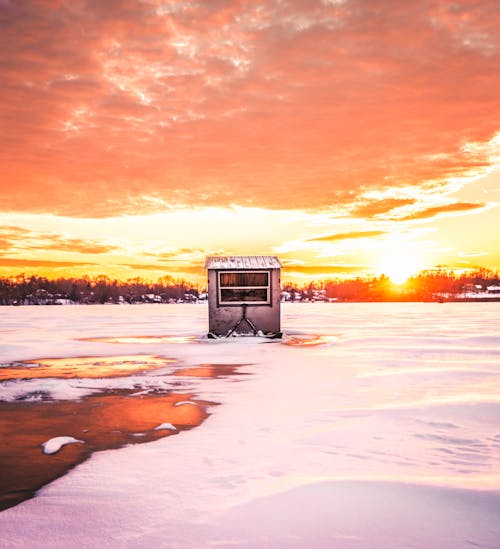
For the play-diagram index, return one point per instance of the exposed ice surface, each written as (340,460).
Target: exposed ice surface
(386,434)
(53,445)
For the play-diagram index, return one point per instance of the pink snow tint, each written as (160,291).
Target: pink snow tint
(354,514)
(310,340)
(143,339)
(387,437)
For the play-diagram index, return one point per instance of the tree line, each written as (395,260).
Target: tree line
(438,284)
(37,290)
(425,286)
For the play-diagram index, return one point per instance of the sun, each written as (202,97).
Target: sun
(399,273)
(399,263)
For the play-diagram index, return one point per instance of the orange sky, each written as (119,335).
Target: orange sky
(346,137)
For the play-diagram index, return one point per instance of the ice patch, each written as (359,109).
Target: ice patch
(83,367)
(53,445)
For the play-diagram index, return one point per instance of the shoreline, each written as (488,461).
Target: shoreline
(333,301)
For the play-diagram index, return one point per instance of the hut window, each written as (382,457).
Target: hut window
(238,287)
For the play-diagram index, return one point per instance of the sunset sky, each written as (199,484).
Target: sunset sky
(347,137)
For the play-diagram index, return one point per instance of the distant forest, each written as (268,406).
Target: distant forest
(36,290)
(436,285)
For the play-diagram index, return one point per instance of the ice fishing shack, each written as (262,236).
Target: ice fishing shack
(243,296)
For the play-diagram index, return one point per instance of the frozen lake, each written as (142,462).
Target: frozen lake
(370,425)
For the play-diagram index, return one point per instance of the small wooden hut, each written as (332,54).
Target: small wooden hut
(243,295)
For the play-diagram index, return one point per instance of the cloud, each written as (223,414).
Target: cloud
(472,254)
(15,262)
(322,269)
(74,245)
(346,236)
(22,239)
(121,107)
(196,269)
(143,266)
(18,238)
(182,254)
(377,207)
(447,208)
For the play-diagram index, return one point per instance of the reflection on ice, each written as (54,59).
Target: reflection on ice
(99,422)
(81,367)
(213,371)
(142,339)
(310,340)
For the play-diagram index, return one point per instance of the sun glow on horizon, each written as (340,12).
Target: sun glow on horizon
(399,261)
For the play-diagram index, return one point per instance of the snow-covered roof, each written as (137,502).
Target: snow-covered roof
(243,262)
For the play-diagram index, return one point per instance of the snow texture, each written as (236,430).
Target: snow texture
(53,445)
(385,435)
(167,426)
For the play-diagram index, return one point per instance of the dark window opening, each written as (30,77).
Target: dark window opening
(251,287)
(244,279)
(243,295)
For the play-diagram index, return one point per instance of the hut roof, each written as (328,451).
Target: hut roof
(243,262)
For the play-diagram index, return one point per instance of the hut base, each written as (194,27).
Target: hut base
(271,335)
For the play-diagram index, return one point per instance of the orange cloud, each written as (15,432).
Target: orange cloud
(377,207)
(74,245)
(18,237)
(21,263)
(129,107)
(346,236)
(447,208)
(181,268)
(322,269)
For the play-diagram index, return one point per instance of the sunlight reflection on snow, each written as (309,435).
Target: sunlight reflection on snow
(142,339)
(310,340)
(401,393)
(82,367)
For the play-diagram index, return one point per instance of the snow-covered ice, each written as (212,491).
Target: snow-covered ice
(53,445)
(369,425)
